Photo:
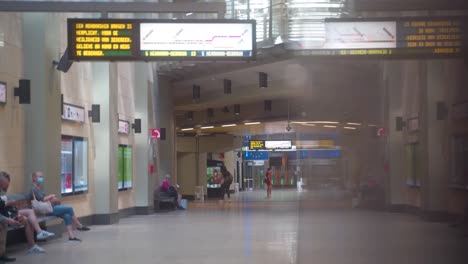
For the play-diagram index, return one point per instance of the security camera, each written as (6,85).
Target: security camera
(288,128)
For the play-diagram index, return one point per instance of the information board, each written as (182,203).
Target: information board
(146,39)
(397,37)
(256,145)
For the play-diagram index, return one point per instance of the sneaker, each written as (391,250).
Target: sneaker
(83,228)
(74,239)
(36,250)
(44,235)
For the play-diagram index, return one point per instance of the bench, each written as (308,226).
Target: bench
(40,220)
(16,233)
(162,201)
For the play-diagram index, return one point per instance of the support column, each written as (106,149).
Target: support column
(435,138)
(164,117)
(42,116)
(395,182)
(144,179)
(106,143)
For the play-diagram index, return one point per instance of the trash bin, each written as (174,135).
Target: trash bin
(183,203)
(199,193)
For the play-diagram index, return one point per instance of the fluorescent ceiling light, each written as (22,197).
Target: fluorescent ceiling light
(299,122)
(330,126)
(187,129)
(352,128)
(252,123)
(229,125)
(354,124)
(324,122)
(371,125)
(207,127)
(189,14)
(308,124)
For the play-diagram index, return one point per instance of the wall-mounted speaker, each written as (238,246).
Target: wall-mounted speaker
(95,113)
(23,91)
(237,109)
(262,80)
(442,111)
(267,105)
(399,123)
(137,126)
(227,86)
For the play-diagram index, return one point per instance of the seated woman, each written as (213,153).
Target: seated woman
(62,211)
(171,191)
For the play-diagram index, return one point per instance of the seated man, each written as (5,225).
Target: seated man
(25,216)
(171,191)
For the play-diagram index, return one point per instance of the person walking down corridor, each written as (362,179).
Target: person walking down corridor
(65,212)
(268,181)
(227,181)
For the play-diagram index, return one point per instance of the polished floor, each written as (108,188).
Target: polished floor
(291,228)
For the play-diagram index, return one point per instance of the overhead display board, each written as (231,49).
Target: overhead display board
(270,144)
(256,144)
(147,39)
(396,37)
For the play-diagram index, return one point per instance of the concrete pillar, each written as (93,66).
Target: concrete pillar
(436,85)
(106,143)
(42,116)
(164,118)
(144,179)
(395,182)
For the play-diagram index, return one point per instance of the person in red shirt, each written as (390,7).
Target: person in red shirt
(268,181)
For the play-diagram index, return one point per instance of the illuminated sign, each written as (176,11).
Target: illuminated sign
(256,144)
(143,40)
(396,37)
(316,144)
(278,144)
(73,113)
(3,93)
(124,127)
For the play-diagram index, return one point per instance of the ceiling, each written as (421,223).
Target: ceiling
(301,89)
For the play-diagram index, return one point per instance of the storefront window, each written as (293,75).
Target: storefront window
(74,167)
(125,170)
(460,161)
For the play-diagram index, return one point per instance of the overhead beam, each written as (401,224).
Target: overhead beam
(112,7)
(409,5)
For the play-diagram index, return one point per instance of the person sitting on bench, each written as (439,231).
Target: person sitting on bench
(171,191)
(65,212)
(25,216)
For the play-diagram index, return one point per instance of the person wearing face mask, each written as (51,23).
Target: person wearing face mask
(65,212)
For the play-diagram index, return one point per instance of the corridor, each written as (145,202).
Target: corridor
(290,228)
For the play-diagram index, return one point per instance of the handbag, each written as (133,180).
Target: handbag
(40,207)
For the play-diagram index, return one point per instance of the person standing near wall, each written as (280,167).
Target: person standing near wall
(227,181)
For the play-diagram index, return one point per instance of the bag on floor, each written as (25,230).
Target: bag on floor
(183,203)
(42,208)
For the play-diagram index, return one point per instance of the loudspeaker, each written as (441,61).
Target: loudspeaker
(23,91)
(237,109)
(137,126)
(189,115)
(267,105)
(63,64)
(61,104)
(442,111)
(162,133)
(196,92)
(399,123)
(95,113)
(262,80)
(210,112)
(227,86)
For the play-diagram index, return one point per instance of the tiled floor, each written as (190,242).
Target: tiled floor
(289,228)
